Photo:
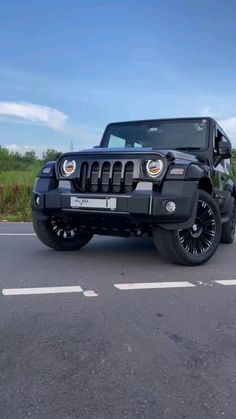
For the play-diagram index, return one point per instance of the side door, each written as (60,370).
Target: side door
(219,183)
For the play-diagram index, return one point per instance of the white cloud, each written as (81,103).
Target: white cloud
(42,115)
(32,114)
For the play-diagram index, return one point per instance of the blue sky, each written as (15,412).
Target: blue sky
(67,68)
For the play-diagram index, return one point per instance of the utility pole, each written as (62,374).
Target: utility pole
(71,146)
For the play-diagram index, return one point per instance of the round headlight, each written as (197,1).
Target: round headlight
(154,167)
(68,167)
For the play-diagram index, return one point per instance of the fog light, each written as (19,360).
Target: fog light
(170,206)
(37,200)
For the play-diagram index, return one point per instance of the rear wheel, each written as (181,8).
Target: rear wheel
(60,234)
(228,229)
(193,246)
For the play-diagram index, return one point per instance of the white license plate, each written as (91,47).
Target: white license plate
(102,203)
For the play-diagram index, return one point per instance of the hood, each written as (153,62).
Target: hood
(178,155)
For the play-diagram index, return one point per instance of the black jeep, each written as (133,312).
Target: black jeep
(169,178)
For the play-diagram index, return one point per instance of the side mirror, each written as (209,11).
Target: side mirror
(224,149)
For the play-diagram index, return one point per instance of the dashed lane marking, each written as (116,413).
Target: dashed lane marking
(227,282)
(152,285)
(43,290)
(17,234)
(90,293)
(180,284)
(48,290)
(122,287)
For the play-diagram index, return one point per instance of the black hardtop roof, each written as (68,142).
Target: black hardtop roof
(140,121)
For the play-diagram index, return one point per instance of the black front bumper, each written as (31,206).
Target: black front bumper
(139,206)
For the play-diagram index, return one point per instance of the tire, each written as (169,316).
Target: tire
(228,229)
(60,234)
(196,245)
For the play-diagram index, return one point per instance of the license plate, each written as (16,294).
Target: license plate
(99,203)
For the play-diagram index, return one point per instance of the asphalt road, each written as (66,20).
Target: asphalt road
(111,352)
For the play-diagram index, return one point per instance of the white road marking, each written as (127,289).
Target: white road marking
(123,287)
(90,293)
(43,290)
(152,285)
(17,234)
(227,282)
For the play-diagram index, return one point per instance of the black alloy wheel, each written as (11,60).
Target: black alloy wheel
(198,239)
(64,229)
(59,233)
(196,245)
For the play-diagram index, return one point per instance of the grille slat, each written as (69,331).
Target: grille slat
(105,177)
(83,175)
(128,176)
(94,176)
(116,177)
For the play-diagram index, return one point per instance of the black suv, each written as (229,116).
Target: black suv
(168,178)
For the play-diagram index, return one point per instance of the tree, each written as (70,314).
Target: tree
(30,157)
(51,154)
(234,162)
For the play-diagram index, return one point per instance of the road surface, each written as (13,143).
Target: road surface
(113,331)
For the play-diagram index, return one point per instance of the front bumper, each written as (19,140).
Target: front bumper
(139,206)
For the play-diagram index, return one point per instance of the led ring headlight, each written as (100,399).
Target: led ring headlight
(68,167)
(154,167)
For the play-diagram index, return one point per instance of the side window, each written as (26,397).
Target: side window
(224,165)
(221,166)
(217,139)
(228,166)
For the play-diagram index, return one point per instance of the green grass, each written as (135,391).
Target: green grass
(19,177)
(15,193)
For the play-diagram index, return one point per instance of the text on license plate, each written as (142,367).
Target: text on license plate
(103,203)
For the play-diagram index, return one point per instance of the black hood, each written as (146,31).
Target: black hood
(178,155)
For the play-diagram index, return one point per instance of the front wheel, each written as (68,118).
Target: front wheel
(196,245)
(60,234)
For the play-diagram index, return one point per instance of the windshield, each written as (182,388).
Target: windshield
(178,134)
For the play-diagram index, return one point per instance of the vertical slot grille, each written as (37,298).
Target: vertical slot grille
(106,177)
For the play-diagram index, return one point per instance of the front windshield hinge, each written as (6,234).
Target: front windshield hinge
(170,156)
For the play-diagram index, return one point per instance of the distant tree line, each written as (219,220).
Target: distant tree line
(13,160)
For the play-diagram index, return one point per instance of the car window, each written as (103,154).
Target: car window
(116,141)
